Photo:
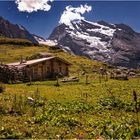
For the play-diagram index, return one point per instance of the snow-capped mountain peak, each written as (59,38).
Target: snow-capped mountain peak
(96,40)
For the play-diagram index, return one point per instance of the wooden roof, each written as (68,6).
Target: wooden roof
(35,61)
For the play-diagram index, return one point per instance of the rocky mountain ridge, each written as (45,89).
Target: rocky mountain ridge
(7,29)
(117,44)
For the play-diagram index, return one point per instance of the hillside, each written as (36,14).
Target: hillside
(95,107)
(18,48)
(15,41)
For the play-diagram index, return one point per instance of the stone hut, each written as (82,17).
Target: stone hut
(36,69)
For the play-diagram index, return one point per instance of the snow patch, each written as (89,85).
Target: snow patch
(102,30)
(39,39)
(49,42)
(21,27)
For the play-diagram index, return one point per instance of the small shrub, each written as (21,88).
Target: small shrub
(39,103)
(111,102)
(116,103)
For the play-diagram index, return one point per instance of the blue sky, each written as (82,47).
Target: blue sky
(43,22)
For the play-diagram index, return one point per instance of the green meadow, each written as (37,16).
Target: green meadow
(96,108)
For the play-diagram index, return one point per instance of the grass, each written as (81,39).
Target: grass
(71,109)
(15,41)
(100,109)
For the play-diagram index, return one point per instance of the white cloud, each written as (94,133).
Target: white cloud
(72,13)
(33,5)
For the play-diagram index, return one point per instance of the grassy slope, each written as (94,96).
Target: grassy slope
(12,53)
(72,110)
